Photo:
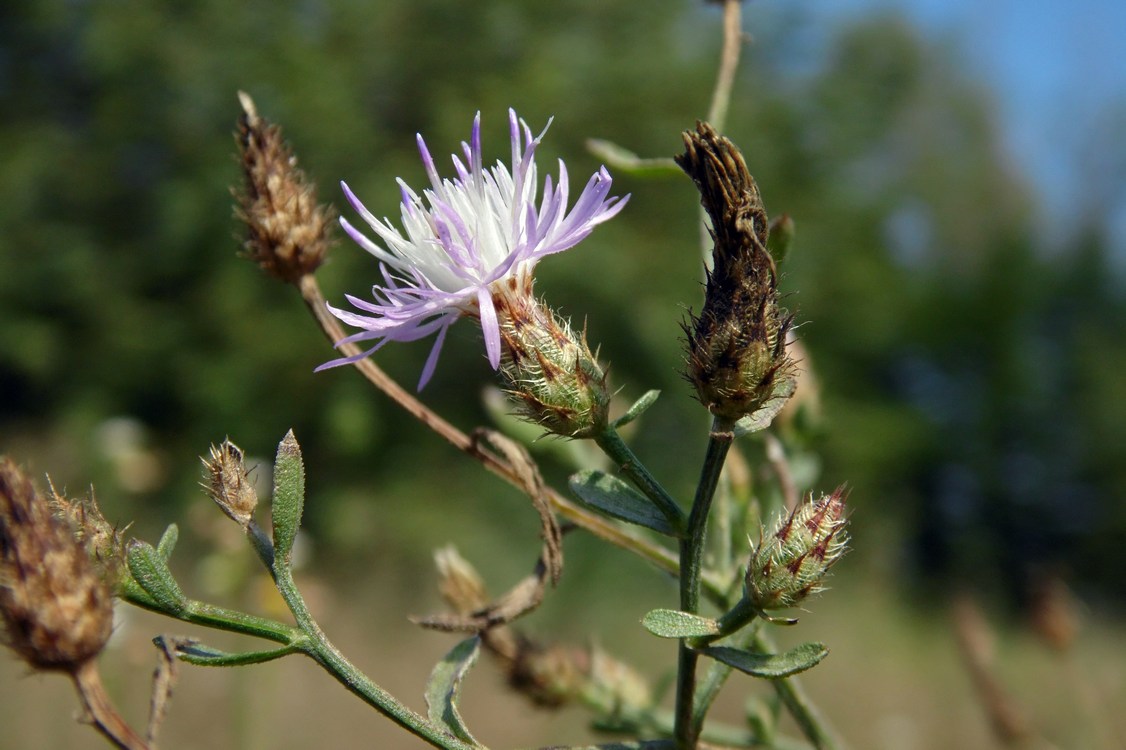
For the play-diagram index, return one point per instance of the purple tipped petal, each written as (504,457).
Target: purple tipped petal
(463,242)
(432,359)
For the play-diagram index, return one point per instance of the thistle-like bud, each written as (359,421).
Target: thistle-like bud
(229,484)
(792,562)
(56,608)
(549,372)
(737,357)
(288,232)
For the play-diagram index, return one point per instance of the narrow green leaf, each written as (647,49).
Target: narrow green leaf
(150,570)
(609,495)
(624,160)
(766,413)
(638,408)
(289,497)
(669,623)
(167,541)
(773,666)
(205,656)
(445,682)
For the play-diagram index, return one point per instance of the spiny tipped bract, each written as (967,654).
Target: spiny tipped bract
(792,562)
(548,372)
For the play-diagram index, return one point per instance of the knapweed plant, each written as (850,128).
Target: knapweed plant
(746,548)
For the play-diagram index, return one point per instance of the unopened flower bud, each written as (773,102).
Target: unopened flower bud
(288,232)
(792,562)
(57,610)
(229,484)
(549,372)
(737,357)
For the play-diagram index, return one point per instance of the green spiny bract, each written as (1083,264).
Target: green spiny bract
(791,563)
(548,372)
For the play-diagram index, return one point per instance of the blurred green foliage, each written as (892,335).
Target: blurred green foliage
(971,381)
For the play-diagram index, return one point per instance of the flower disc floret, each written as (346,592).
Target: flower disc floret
(465,241)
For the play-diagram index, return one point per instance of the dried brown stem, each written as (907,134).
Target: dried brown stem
(975,641)
(101,710)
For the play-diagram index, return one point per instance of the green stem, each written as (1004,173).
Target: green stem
(614,447)
(713,681)
(691,565)
(808,718)
(219,618)
(321,650)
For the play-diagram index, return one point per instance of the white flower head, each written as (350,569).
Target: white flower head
(467,239)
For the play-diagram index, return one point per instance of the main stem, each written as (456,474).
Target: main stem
(691,565)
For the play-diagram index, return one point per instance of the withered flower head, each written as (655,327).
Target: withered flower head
(229,484)
(102,540)
(57,609)
(737,358)
(792,562)
(288,232)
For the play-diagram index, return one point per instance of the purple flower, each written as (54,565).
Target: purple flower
(469,241)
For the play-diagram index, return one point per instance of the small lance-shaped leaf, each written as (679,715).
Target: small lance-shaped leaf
(772,666)
(625,160)
(443,686)
(609,495)
(167,541)
(152,574)
(765,414)
(289,497)
(206,656)
(669,623)
(638,408)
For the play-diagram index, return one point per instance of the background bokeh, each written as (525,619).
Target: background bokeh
(961,287)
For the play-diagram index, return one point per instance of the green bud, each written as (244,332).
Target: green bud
(792,562)
(548,372)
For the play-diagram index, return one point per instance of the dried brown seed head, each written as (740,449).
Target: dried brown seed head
(229,484)
(57,609)
(288,232)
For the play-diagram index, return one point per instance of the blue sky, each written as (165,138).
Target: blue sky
(1058,70)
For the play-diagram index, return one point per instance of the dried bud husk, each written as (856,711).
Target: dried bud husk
(548,372)
(737,358)
(57,609)
(792,562)
(104,541)
(288,232)
(229,484)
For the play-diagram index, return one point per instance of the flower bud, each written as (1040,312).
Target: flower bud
(549,372)
(737,358)
(56,609)
(288,232)
(229,484)
(791,563)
